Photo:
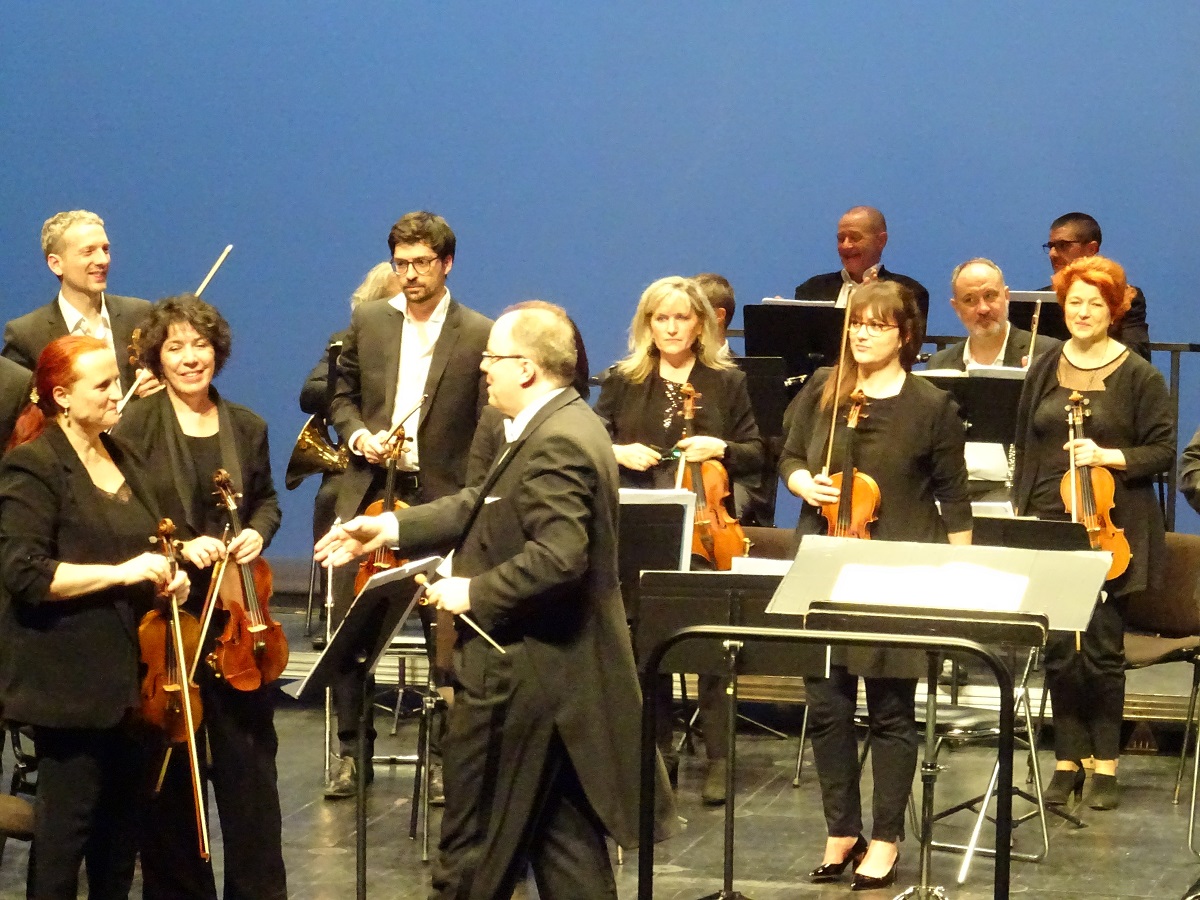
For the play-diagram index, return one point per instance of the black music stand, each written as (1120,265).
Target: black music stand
(374,618)
(655,534)
(1051,322)
(806,336)
(674,600)
(986,403)
(766,382)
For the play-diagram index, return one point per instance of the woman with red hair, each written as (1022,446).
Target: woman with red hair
(75,577)
(1130,430)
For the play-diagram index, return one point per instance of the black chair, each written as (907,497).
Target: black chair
(16,813)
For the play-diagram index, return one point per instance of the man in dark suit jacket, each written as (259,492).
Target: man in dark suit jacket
(980,299)
(861,237)
(1072,236)
(541,755)
(416,355)
(15,384)
(77,252)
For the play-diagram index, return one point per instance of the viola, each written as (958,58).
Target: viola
(168,639)
(857,505)
(717,536)
(252,649)
(384,558)
(1087,494)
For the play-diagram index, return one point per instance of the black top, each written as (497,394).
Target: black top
(911,444)
(1131,411)
(651,413)
(69,663)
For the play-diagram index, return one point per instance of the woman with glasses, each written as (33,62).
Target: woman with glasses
(673,341)
(1130,431)
(189,431)
(909,439)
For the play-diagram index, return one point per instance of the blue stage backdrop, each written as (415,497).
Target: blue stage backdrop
(582,150)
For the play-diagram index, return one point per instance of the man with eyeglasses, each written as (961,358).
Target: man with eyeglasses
(1072,236)
(861,237)
(411,360)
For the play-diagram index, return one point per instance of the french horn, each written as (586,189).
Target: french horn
(313,453)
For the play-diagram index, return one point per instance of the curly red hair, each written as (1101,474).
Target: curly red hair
(1105,275)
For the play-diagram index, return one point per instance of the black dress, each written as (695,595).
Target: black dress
(912,445)
(1130,410)
(69,667)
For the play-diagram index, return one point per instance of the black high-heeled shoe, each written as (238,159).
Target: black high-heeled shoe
(1062,785)
(827,872)
(1106,793)
(871,882)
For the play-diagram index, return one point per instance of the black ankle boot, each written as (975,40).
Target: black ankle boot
(1106,794)
(1062,785)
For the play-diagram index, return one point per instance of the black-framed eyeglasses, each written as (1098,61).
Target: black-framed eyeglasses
(1059,245)
(420,266)
(873,329)
(492,357)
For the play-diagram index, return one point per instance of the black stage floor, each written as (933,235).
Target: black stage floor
(1139,850)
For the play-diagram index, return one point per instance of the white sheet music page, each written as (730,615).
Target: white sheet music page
(947,586)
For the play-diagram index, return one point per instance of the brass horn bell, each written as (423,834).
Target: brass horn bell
(314,453)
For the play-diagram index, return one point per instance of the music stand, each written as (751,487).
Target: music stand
(986,404)
(1050,320)
(768,397)
(992,595)
(807,337)
(674,600)
(656,533)
(365,634)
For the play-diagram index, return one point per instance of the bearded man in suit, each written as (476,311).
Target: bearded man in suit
(76,249)
(541,756)
(411,360)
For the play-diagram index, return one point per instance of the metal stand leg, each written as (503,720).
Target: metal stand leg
(420,800)
(800,749)
(313,581)
(360,799)
(1188,725)
(732,648)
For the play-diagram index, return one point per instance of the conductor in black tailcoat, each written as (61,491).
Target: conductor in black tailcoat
(543,739)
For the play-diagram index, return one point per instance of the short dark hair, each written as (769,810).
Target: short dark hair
(423,228)
(183,309)
(719,292)
(1087,228)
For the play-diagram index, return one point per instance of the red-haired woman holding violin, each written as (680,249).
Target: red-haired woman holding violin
(76,514)
(1129,434)
(186,433)
(908,439)
(674,342)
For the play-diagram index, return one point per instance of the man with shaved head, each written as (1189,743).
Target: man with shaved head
(861,237)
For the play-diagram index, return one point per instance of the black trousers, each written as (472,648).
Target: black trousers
(240,729)
(713,719)
(1087,686)
(86,811)
(891,709)
(513,799)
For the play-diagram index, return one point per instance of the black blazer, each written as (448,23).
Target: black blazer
(66,663)
(26,337)
(1014,352)
(542,558)
(366,391)
(723,412)
(152,430)
(15,383)
(827,287)
(317,393)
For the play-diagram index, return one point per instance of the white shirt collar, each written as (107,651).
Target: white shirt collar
(74,319)
(438,316)
(515,427)
(969,362)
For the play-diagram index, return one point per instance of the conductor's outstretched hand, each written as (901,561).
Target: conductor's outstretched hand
(348,541)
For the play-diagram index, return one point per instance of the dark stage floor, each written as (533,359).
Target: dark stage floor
(1139,850)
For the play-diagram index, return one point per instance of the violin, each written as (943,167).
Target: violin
(717,536)
(857,505)
(168,639)
(252,649)
(1087,493)
(384,558)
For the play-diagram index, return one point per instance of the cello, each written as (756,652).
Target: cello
(717,536)
(1087,493)
(170,699)
(252,649)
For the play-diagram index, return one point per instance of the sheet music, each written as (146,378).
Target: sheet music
(940,587)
